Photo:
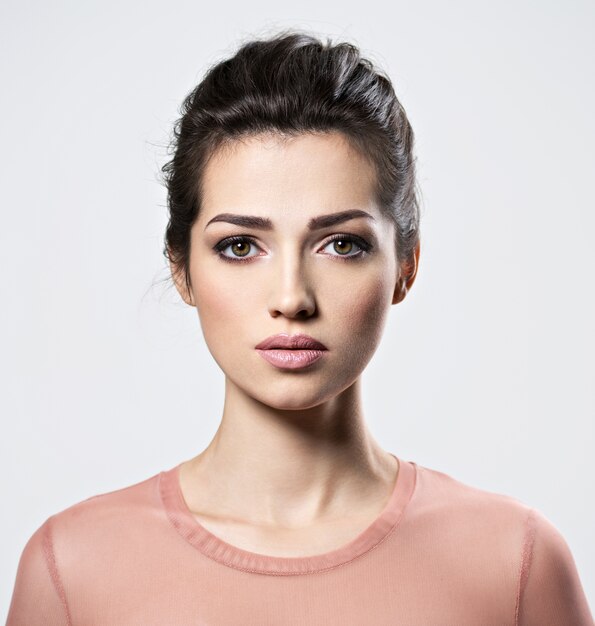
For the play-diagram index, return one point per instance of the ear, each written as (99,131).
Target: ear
(178,275)
(407,274)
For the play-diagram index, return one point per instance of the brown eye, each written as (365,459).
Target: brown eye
(347,246)
(343,246)
(241,248)
(237,249)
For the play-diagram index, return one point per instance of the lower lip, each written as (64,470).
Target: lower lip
(291,359)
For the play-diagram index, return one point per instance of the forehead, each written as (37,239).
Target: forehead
(294,177)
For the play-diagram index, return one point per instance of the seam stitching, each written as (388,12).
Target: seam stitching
(50,560)
(321,570)
(525,561)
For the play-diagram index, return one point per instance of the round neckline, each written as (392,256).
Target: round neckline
(188,526)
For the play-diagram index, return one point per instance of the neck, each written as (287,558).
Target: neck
(290,468)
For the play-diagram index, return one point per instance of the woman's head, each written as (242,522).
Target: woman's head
(292,210)
(292,84)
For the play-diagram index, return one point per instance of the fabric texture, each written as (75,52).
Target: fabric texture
(441,553)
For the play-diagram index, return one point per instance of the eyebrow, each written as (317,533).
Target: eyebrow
(264,223)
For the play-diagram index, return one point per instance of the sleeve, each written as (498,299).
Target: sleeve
(550,591)
(38,597)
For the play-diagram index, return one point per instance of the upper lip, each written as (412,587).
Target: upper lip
(283,341)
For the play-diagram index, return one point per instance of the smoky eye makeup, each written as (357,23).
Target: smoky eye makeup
(235,240)
(245,244)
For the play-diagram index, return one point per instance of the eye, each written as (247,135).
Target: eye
(344,245)
(240,247)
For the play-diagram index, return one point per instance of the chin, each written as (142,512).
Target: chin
(285,399)
(294,394)
(294,404)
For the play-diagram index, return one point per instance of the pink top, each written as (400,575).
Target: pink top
(440,553)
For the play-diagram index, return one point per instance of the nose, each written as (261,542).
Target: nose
(290,292)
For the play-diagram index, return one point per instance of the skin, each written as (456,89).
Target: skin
(292,469)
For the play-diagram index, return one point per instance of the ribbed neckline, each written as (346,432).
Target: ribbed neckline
(215,548)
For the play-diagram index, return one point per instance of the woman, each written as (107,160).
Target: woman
(294,227)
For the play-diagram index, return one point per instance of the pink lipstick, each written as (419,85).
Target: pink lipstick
(291,351)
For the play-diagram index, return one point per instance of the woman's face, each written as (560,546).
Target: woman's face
(287,273)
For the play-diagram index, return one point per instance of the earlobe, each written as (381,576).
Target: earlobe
(400,291)
(407,274)
(189,299)
(185,293)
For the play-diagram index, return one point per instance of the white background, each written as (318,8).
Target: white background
(486,369)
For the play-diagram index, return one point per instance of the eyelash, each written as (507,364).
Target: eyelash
(364,245)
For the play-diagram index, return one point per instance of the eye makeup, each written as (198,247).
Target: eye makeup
(364,247)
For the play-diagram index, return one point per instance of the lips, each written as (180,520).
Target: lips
(291,352)
(283,341)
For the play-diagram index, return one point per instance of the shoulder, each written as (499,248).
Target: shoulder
(439,497)
(100,521)
(116,505)
(549,590)
(71,546)
(512,548)
(474,526)
(438,492)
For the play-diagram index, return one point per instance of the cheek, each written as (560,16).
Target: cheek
(217,298)
(228,306)
(221,299)
(364,305)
